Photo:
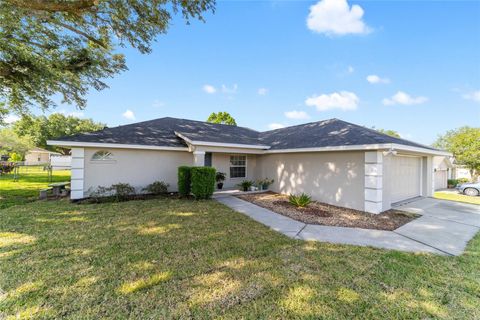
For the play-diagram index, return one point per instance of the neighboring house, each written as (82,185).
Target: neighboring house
(333,161)
(442,167)
(461,172)
(38,156)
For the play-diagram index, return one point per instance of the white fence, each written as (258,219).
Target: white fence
(60,162)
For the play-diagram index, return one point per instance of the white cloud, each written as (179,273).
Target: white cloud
(336,17)
(273,126)
(374,79)
(262,91)
(157,103)
(297,115)
(228,90)
(350,69)
(11,118)
(475,96)
(209,89)
(129,115)
(404,98)
(343,100)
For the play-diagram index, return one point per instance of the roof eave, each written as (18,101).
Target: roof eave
(221,144)
(80,144)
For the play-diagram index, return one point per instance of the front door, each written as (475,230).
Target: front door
(208,159)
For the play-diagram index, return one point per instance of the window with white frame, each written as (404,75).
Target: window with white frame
(238,166)
(102,155)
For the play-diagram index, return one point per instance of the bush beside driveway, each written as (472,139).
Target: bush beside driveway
(170,258)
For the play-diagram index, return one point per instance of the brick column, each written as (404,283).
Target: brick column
(76,182)
(373,181)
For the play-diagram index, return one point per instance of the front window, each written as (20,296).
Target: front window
(238,166)
(102,156)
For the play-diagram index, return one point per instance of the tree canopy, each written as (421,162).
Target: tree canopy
(64,47)
(464,144)
(43,128)
(389,132)
(222,117)
(10,142)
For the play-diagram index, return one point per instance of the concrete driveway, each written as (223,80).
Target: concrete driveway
(444,225)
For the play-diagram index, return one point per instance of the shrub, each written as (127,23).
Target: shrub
(203,182)
(157,187)
(463,180)
(245,185)
(184,180)
(452,182)
(118,192)
(300,201)
(220,176)
(6,167)
(14,157)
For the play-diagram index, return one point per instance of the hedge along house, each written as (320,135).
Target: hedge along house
(334,161)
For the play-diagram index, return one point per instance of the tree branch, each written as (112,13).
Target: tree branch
(79,32)
(55,5)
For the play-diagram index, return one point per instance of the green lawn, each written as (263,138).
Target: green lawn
(26,189)
(456,197)
(168,258)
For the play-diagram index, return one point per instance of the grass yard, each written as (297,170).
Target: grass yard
(168,258)
(26,189)
(456,197)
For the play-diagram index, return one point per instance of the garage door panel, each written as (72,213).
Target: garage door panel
(405,177)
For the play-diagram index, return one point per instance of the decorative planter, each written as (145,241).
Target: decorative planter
(220,185)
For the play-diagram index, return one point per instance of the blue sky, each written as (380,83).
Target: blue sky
(263,63)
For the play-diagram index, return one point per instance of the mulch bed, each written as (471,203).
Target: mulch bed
(329,215)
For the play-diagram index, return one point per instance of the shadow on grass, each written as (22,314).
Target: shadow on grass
(167,258)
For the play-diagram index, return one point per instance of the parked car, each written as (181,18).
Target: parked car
(470,189)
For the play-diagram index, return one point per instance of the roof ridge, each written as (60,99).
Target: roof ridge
(211,123)
(301,125)
(386,135)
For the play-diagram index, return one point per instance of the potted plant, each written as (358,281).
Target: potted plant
(265,183)
(220,177)
(245,185)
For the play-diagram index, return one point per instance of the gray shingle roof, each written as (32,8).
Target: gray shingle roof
(161,132)
(328,133)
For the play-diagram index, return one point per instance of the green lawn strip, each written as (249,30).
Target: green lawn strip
(456,197)
(167,258)
(27,188)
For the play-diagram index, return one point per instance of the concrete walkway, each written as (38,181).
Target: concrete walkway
(444,228)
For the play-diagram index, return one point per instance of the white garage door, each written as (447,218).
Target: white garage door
(440,179)
(405,177)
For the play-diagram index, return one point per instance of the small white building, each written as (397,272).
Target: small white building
(39,156)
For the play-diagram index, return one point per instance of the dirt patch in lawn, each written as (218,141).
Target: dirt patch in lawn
(328,215)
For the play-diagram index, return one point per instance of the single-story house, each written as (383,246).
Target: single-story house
(38,156)
(334,161)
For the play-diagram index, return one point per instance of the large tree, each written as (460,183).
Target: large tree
(43,128)
(464,143)
(11,142)
(222,117)
(65,47)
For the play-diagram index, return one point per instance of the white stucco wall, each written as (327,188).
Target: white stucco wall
(32,158)
(336,178)
(136,167)
(221,162)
